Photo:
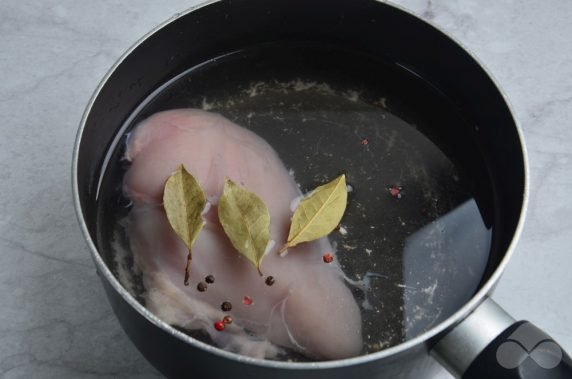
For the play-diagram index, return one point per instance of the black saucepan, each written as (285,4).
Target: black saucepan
(433,153)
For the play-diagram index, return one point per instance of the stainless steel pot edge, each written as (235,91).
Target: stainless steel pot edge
(440,328)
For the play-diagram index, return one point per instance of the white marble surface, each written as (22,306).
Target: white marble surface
(55,321)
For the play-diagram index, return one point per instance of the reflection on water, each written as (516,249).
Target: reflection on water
(443,263)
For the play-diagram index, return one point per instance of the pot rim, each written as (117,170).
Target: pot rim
(443,326)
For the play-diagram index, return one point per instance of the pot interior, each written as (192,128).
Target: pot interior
(425,139)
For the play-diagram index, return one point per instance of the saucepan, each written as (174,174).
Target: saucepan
(434,158)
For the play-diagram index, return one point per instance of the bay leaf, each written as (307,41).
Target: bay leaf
(184,201)
(245,220)
(319,213)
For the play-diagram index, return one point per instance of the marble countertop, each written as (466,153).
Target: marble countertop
(55,320)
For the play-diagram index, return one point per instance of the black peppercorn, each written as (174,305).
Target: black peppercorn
(202,287)
(226,306)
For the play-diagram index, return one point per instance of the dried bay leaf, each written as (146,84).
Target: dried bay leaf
(245,220)
(319,213)
(184,201)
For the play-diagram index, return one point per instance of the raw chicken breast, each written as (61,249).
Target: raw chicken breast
(308,308)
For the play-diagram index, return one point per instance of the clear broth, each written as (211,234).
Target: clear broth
(413,258)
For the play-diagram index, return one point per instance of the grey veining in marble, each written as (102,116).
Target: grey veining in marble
(54,319)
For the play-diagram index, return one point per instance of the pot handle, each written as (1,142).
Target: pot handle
(489,343)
